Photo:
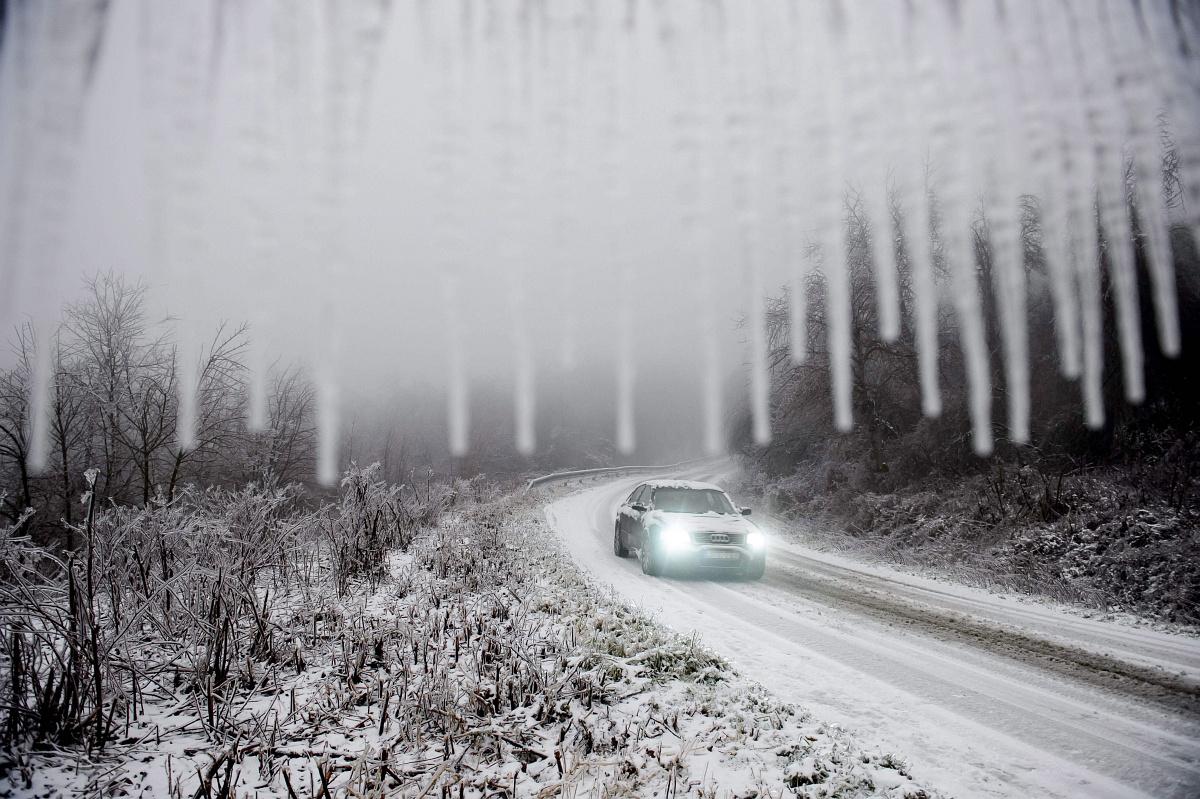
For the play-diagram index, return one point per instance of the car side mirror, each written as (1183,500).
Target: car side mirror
(745,511)
(639,507)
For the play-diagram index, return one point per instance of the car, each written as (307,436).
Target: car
(682,524)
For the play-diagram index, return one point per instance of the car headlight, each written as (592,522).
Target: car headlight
(756,540)
(675,537)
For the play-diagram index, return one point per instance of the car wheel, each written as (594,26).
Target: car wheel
(651,561)
(618,545)
(756,568)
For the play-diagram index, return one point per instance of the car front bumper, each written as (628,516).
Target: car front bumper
(713,557)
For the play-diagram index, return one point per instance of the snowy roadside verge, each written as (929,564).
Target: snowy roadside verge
(483,663)
(1106,551)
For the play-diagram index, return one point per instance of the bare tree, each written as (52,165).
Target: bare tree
(115,408)
(14,443)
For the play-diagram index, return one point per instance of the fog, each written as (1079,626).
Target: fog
(383,298)
(392,319)
(577,203)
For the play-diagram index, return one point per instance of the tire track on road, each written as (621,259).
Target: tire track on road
(854,594)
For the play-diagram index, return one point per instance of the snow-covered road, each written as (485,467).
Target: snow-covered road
(985,695)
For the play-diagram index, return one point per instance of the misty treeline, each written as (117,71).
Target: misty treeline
(892,444)
(404,428)
(913,480)
(115,409)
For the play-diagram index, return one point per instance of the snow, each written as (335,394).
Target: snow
(972,722)
(693,484)
(558,687)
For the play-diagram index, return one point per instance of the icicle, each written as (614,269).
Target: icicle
(1114,215)
(561,108)
(1103,110)
(1174,35)
(181,51)
(188,366)
(40,407)
(1142,99)
(625,365)
(446,96)
(760,376)
(838,319)
(915,202)
(1003,227)
(714,426)
(1042,90)
(956,233)
(798,263)
(48,51)
(1053,92)
(258,415)
(925,295)
(456,396)
(188,386)
(257,146)
(1042,110)
(1152,219)
(524,384)
(1087,266)
(1056,247)
(328,379)
(795,182)
(1009,280)
(798,308)
(714,438)
(742,131)
(354,33)
(867,43)
(567,355)
(49,48)
(1077,179)
(328,432)
(510,135)
(961,256)
(690,120)
(615,87)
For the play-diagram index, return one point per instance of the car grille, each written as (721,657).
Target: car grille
(730,539)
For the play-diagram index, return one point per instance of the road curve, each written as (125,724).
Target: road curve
(984,695)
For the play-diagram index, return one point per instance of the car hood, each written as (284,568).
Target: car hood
(702,522)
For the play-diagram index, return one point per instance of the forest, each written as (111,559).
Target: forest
(1103,515)
(115,410)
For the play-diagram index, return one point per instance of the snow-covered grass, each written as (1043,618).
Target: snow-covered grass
(476,660)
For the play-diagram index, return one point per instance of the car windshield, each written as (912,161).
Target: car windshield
(691,500)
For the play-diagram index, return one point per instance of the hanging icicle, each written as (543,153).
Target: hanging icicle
(355,34)
(994,152)
(1041,124)
(866,47)
(955,197)
(457,410)
(50,52)
(914,220)
(836,268)
(1001,230)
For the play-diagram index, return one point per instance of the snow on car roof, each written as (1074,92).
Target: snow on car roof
(683,484)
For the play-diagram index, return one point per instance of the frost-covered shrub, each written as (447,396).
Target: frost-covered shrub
(1100,537)
(191,597)
(373,517)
